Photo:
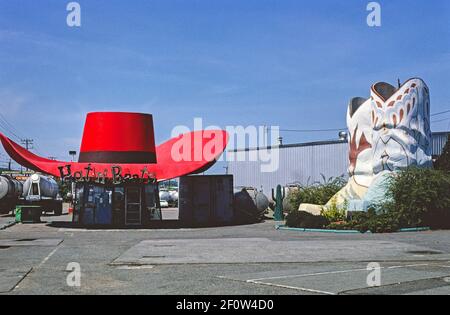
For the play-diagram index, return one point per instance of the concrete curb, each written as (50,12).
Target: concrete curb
(285,228)
(8,225)
(419,229)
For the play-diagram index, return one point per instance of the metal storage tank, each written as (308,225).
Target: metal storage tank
(10,188)
(206,200)
(43,191)
(303,163)
(171,195)
(40,186)
(10,192)
(174,195)
(164,195)
(250,205)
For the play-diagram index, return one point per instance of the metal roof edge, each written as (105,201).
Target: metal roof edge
(292,145)
(310,144)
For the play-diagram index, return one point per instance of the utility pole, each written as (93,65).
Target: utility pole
(9,164)
(28,143)
(266,136)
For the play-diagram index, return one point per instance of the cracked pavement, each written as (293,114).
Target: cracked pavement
(248,259)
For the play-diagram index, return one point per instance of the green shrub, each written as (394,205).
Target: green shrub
(415,197)
(334,213)
(419,197)
(287,203)
(342,226)
(318,193)
(374,222)
(305,220)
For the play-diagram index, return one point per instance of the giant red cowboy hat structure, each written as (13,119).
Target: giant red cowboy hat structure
(125,141)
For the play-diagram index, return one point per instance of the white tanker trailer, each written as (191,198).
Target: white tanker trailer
(10,192)
(43,191)
(171,196)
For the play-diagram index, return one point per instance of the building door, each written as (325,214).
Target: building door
(202,201)
(103,208)
(133,208)
(223,198)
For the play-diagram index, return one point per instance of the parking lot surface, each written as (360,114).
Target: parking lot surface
(247,259)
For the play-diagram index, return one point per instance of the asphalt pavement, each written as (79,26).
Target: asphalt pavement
(248,259)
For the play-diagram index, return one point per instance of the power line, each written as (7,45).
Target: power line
(441,113)
(8,127)
(11,126)
(440,120)
(28,143)
(11,129)
(345,128)
(8,131)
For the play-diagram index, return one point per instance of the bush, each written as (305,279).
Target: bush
(374,222)
(335,213)
(305,220)
(341,226)
(415,197)
(318,193)
(419,197)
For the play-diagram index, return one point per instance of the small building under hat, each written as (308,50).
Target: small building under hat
(116,178)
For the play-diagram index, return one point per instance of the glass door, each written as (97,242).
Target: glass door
(133,201)
(152,205)
(119,206)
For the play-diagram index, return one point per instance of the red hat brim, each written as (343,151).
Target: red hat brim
(167,167)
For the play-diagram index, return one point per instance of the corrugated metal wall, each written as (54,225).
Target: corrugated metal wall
(439,141)
(303,164)
(297,164)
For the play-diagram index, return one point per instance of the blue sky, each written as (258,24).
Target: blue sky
(294,64)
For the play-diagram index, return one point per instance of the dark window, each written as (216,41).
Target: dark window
(35,189)
(133,195)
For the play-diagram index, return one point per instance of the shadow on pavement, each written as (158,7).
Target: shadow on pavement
(152,225)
